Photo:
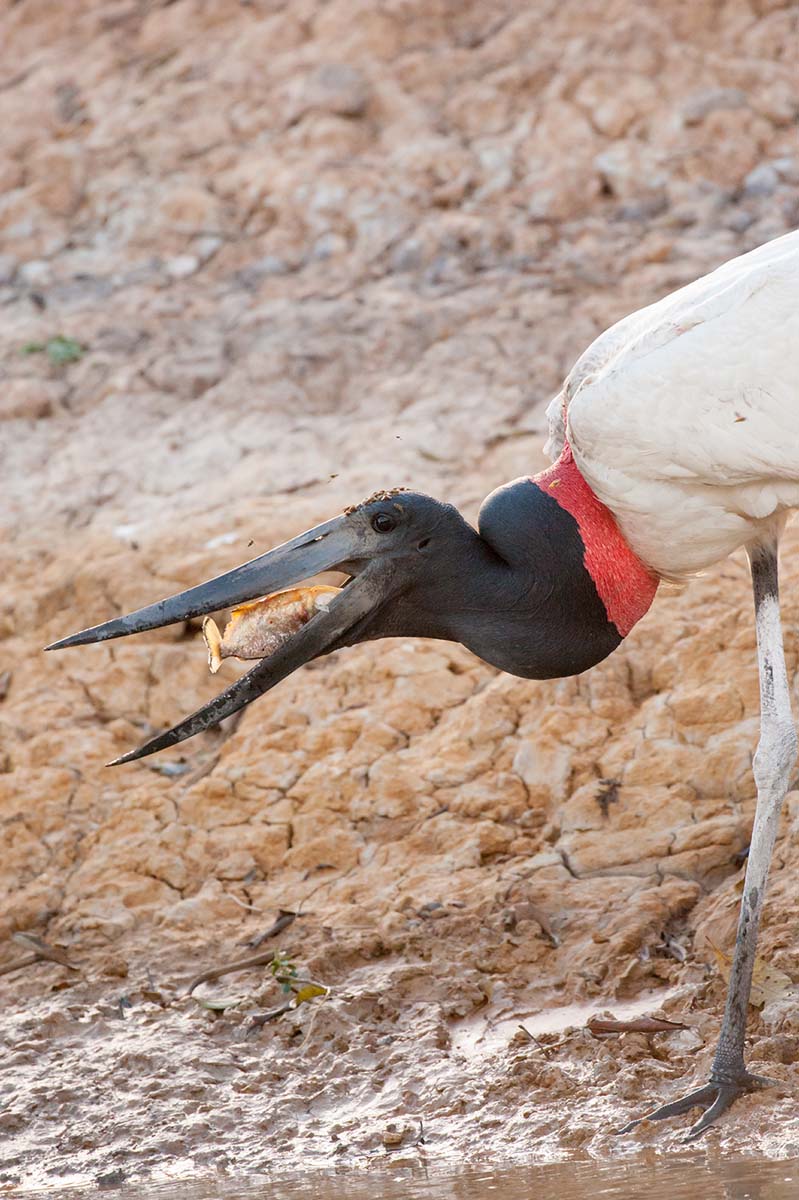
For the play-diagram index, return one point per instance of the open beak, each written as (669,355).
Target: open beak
(335,545)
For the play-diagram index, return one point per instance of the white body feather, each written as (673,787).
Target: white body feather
(684,417)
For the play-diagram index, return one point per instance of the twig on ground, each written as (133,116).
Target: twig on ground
(40,951)
(601,1026)
(283,920)
(241,964)
(285,917)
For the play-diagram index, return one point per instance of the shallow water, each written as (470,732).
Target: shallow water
(675,1179)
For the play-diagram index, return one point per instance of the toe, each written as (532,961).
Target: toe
(676,1108)
(724,1099)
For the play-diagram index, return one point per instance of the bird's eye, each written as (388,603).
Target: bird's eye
(383,522)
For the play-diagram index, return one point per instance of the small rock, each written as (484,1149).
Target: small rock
(763,180)
(684,1041)
(739,221)
(709,100)
(236,866)
(211,904)
(612,105)
(392,1136)
(630,169)
(328,246)
(271,264)
(8,269)
(561,194)
(111,1179)
(778,102)
(70,106)
(182,266)
(645,208)
(336,88)
(36,273)
(58,173)
(189,375)
(653,249)
(190,208)
(408,255)
(787,168)
(206,247)
(31,399)
(544,766)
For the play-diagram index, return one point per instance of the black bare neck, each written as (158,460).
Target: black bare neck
(545,618)
(517,594)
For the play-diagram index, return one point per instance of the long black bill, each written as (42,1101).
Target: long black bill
(319,635)
(320,549)
(336,544)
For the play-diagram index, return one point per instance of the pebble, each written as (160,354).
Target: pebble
(182,266)
(702,103)
(36,273)
(337,88)
(8,269)
(763,180)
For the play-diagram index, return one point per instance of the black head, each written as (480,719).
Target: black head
(517,593)
(390,546)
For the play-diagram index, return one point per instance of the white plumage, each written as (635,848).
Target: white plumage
(684,420)
(684,416)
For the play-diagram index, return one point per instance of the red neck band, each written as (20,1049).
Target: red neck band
(625,586)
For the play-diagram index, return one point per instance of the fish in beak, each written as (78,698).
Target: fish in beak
(358,543)
(257,630)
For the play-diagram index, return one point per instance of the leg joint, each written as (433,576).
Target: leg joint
(776,754)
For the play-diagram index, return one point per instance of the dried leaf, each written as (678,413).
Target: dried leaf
(601,1025)
(307,991)
(768,983)
(43,949)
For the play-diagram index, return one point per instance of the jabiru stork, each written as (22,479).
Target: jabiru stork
(675,441)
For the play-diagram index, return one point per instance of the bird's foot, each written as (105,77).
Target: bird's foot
(715,1098)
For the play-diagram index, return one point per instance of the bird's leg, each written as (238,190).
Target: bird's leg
(773,762)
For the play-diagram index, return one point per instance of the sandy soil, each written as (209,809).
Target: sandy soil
(310,250)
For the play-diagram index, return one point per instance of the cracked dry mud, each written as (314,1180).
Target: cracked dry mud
(315,250)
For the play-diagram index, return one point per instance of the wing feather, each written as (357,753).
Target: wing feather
(691,406)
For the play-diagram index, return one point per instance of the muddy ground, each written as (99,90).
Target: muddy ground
(297,252)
